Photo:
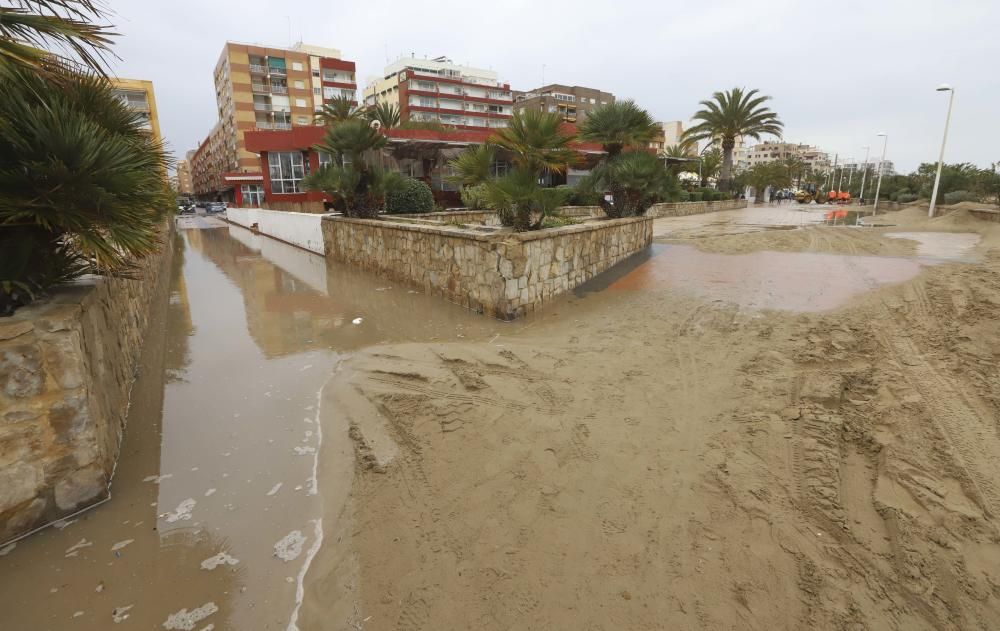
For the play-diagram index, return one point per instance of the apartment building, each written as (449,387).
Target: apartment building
(185,185)
(441,91)
(572,102)
(259,87)
(814,158)
(138,95)
(668,135)
(887,167)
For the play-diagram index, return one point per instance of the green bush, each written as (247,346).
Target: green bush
(475,197)
(906,198)
(580,196)
(696,196)
(412,197)
(683,196)
(955,197)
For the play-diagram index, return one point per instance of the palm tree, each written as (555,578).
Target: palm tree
(361,187)
(385,113)
(711,163)
(30,28)
(81,182)
(795,168)
(339,110)
(474,165)
(729,115)
(619,125)
(537,141)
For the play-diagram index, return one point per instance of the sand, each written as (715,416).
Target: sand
(653,460)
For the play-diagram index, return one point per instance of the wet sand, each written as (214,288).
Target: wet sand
(658,453)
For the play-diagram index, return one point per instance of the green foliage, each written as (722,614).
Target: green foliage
(955,197)
(475,197)
(385,113)
(583,194)
(760,176)
(558,221)
(30,29)
(521,202)
(684,196)
(536,141)
(696,196)
(82,185)
(729,115)
(474,165)
(339,110)
(619,125)
(906,198)
(412,196)
(636,179)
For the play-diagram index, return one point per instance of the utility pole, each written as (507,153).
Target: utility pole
(947,120)
(861,196)
(878,187)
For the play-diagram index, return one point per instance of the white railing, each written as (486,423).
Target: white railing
(277,70)
(262,125)
(258,87)
(258,68)
(261,107)
(279,89)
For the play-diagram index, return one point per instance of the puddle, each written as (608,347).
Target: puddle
(944,246)
(219,459)
(758,219)
(791,281)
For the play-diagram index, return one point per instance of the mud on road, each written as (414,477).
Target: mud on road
(652,457)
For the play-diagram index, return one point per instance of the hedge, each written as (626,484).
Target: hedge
(413,197)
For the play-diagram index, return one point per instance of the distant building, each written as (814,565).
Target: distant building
(257,87)
(441,91)
(138,95)
(185,185)
(668,135)
(572,102)
(815,159)
(888,169)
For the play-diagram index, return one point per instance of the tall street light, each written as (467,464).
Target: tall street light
(861,196)
(878,187)
(944,87)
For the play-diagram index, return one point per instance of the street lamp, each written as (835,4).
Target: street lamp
(878,187)
(944,87)
(861,195)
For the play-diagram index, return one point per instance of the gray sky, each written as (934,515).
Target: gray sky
(839,72)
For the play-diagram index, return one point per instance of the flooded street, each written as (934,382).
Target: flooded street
(215,506)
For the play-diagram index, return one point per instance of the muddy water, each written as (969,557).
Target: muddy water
(215,506)
(947,246)
(793,281)
(761,218)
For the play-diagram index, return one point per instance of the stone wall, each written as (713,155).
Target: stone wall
(500,273)
(672,209)
(66,368)
(487,217)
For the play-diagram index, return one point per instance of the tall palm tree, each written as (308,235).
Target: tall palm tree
(31,27)
(729,115)
(339,110)
(385,113)
(619,125)
(537,141)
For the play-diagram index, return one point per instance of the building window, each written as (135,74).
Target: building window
(285,169)
(324,158)
(296,65)
(302,120)
(300,103)
(315,72)
(253,194)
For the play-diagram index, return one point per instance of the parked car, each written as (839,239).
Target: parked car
(185,209)
(215,207)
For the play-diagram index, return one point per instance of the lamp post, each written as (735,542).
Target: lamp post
(944,87)
(861,196)
(878,187)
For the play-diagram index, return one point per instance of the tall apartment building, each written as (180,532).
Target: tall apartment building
(138,95)
(887,167)
(440,91)
(185,185)
(669,134)
(572,102)
(814,158)
(257,87)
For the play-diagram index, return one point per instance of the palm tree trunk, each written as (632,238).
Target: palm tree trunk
(726,175)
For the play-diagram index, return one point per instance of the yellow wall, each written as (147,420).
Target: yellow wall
(141,85)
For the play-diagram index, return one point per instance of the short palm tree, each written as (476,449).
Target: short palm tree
(82,185)
(339,110)
(350,178)
(385,113)
(728,116)
(474,166)
(619,125)
(711,163)
(29,28)
(537,142)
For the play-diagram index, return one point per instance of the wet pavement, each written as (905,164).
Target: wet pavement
(785,216)
(215,507)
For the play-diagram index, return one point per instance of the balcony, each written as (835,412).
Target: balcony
(279,89)
(278,71)
(260,88)
(274,125)
(258,69)
(262,107)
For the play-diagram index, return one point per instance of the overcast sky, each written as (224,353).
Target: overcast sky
(838,72)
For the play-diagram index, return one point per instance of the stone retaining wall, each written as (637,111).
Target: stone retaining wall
(487,217)
(66,368)
(656,211)
(503,274)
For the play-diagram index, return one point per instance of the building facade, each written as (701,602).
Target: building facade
(815,159)
(258,87)
(138,95)
(440,91)
(668,135)
(572,102)
(185,185)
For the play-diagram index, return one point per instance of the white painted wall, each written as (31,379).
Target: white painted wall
(301,229)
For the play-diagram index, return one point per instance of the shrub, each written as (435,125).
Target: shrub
(683,196)
(955,197)
(412,197)
(557,221)
(906,198)
(475,197)
(696,196)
